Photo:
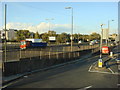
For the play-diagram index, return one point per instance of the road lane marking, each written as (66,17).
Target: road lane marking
(111,70)
(85,88)
(90,68)
(105,72)
(88,87)
(118,84)
(92,65)
(8,85)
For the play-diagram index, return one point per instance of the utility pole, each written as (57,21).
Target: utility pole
(5,30)
(107,41)
(5,43)
(101,41)
(100,60)
(71,27)
(72,33)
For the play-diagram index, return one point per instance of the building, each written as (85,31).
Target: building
(105,34)
(113,36)
(11,34)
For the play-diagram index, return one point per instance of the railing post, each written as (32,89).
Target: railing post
(63,53)
(20,54)
(30,54)
(40,54)
(49,53)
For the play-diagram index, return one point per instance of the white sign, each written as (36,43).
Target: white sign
(52,38)
(105,34)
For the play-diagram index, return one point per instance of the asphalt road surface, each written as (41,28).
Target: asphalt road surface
(73,75)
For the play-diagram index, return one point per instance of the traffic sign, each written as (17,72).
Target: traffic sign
(100,63)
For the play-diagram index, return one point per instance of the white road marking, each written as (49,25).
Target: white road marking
(101,72)
(118,84)
(88,87)
(92,66)
(85,88)
(9,84)
(105,72)
(111,70)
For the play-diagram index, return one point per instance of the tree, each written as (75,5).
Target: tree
(94,36)
(63,37)
(22,34)
(37,35)
(44,37)
(51,33)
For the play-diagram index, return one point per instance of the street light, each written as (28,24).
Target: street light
(49,21)
(101,41)
(100,60)
(107,39)
(71,26)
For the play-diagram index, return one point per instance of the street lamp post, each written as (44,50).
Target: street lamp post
(5,43)
(101,41)
(71,26)
(49,24)
(100,64)
(107,39)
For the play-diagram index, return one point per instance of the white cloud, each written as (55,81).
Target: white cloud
(41,27)
(44,27)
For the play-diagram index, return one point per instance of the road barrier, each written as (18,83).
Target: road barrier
(29,60)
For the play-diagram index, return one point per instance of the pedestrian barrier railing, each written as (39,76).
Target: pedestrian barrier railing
(33,59)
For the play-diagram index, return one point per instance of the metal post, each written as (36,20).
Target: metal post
(108,31)
(20,54)
(63,53)
(30,54)
(71,26)
(107,36)
(4,60)
(72,32)
(49,53)
(5,31)
(101,41)
(40,54)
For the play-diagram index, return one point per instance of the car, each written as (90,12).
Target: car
(79,42)
(67,43)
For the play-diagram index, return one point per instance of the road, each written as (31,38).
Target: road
(75,75)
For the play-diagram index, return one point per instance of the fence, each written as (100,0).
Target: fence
(33,59)
(16,55)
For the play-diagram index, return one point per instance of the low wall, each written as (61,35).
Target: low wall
(35,63)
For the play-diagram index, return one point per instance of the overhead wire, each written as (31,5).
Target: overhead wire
(42,9)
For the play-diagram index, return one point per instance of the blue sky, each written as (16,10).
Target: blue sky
(87,16)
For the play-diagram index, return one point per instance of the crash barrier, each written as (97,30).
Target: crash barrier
(35,63)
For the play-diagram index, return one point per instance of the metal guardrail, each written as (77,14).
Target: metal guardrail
(16,55)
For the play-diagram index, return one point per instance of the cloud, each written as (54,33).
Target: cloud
(58,28)
(41,27)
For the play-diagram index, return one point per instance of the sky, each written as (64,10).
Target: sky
(87,16)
